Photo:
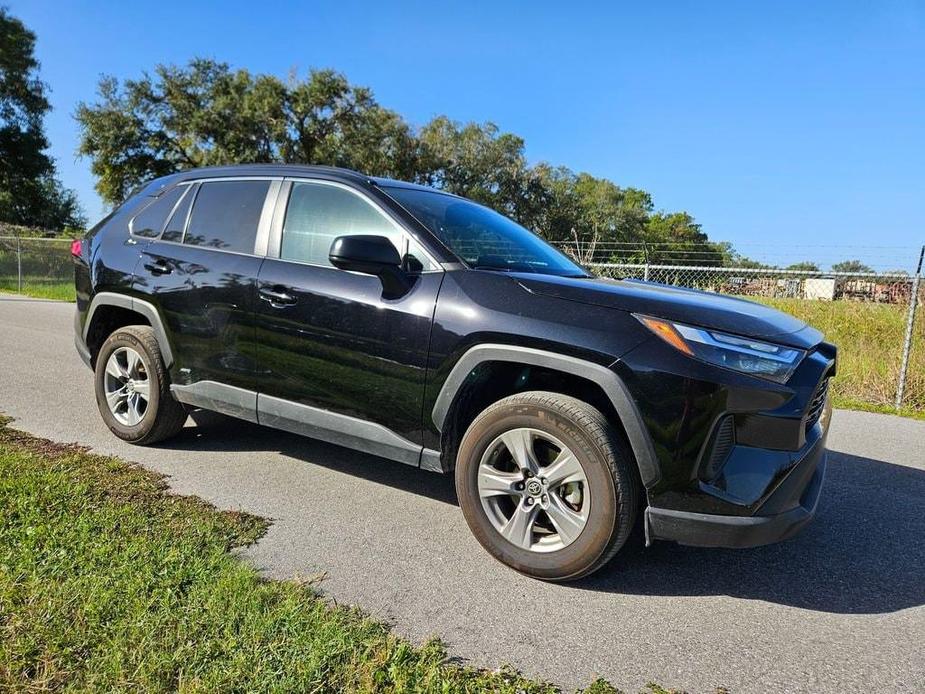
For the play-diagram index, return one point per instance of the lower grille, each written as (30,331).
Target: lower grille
(814,411)
(723,440)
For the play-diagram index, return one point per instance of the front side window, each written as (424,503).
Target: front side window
(150,221)
(318,213)
(226,214)
(482,237)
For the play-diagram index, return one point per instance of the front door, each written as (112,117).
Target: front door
(337,361)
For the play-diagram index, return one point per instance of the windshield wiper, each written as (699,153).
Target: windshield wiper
(501,268)
(504,267)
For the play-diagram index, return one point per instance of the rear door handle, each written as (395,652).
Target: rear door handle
(158,267)
(277,296)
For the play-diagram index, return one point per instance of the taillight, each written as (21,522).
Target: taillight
(76,247)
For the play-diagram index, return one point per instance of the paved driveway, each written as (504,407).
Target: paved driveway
(838,608)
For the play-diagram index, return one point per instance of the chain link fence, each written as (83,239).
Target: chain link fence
(37,266)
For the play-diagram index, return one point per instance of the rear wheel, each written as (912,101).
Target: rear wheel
(133,388)
(546,485)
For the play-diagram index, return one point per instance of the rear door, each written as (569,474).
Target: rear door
(201,275)
(336,360)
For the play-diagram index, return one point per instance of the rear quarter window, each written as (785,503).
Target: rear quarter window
(150,221)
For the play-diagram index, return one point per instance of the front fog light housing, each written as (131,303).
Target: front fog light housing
(745,355)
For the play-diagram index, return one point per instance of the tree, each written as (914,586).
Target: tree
(618,215)
(854,266)
(479,162)
(30,193)
(205,114)
(675,238)
(804,265)
(742,261)
(595,218)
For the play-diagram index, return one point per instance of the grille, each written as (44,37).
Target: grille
(723,440)
(814,411)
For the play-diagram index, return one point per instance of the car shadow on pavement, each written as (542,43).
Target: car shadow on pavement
(217,432)
(864,553)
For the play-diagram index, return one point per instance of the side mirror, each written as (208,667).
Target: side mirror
(371,255)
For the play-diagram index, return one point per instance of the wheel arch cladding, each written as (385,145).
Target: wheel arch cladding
(609,382)
(111,300)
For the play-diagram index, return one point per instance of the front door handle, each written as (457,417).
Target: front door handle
(158,267)
(277,296)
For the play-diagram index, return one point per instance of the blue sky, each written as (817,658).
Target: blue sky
(781,126)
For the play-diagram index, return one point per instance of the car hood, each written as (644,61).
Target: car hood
(704,309)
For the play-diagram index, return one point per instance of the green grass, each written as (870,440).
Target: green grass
(905,411)
(108,582)
(40,288)
(870,339)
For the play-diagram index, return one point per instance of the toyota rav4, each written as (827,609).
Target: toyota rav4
(421,327)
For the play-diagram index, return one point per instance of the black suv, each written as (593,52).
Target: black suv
(421,327)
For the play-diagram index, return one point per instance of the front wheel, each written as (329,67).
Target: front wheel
(133,388)
(546,485)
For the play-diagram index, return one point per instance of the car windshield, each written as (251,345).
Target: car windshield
(481,237)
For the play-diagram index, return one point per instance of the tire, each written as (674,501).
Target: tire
(546,422)
(161,416)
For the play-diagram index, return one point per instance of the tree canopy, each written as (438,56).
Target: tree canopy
(30,193)
(205,114)
(851,266)
(805,266)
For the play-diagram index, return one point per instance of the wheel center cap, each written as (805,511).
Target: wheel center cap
(130,386)
(534,488)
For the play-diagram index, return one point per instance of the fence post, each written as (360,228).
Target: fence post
(18,264)
(645,253)
(910,328)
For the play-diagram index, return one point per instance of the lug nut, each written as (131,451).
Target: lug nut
(529,501)
(519,486)
(545,499)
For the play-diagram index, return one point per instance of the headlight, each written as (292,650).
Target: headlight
(753,357)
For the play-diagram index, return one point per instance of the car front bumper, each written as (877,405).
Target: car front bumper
(711,530)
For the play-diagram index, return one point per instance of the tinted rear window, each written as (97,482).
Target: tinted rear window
(225,215)
(150,221)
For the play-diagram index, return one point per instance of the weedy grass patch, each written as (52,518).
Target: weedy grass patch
(40,288)
(870,345)
(109,582)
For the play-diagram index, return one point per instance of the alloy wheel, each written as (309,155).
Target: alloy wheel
(534,490)
(126,386)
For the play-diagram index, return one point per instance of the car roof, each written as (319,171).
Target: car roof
(332,172)
(158,186)
(394,183)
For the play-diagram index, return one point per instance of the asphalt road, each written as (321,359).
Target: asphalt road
(838,608)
